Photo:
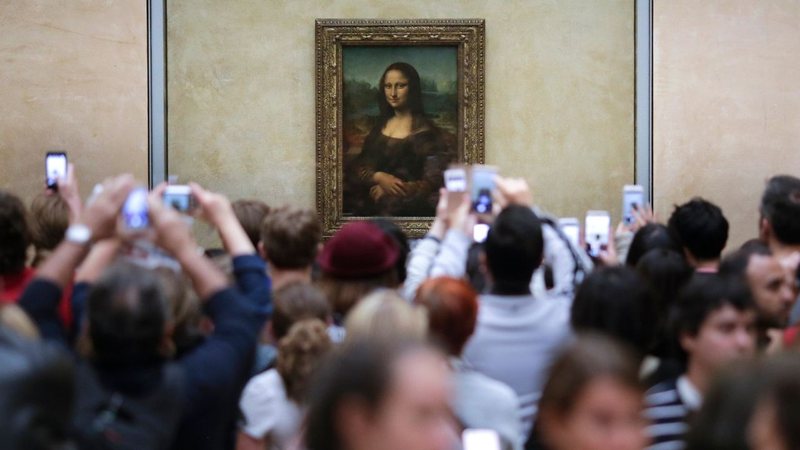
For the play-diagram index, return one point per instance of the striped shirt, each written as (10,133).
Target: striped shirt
(669,405)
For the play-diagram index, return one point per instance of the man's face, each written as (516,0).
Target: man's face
(772,288)
(416,414)
(726,335)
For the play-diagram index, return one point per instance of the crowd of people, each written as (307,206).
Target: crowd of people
(112,338)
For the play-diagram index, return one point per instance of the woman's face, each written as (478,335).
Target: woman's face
(607,415)
(415,414)
(395,87)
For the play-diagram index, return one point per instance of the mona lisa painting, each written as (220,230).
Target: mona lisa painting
(397,102)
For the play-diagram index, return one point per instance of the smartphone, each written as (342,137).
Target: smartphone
(179,197)
(571,228)
(134,211)
(481,188)
(55,167)
(632,199)
(455,179)
(479,232)
(480,439)
(597,229)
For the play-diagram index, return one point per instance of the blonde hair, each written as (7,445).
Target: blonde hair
(384,315)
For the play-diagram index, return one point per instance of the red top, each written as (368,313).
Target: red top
(12,286)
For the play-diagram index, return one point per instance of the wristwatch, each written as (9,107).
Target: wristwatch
(78,234)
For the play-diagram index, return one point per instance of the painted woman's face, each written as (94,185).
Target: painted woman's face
(395,87)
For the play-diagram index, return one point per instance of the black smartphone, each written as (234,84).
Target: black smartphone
(55,167)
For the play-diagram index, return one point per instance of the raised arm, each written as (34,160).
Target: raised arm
(97,221)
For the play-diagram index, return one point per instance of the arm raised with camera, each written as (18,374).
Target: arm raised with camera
(97,221)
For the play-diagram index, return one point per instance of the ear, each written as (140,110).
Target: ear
(352,422)
(687,342)
(167,346)
(271,332)
(261,252)
(551,429)
(764,229)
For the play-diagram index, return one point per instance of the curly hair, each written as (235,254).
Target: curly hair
(299,355)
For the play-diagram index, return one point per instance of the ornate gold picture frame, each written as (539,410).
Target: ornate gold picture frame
(396,102)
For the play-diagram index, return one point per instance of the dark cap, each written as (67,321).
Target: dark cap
(359,249)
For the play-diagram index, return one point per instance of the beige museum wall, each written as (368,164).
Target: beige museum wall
(726,103)
(74,77)
(559,93)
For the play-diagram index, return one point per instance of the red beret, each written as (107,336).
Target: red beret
(359,249)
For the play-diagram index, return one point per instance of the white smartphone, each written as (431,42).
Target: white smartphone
(597,228)
(482,187)
(480,439)
(455,179)
(479,232)
(135,211)
(632,199)
(571,228)
(179,197)
(55,167)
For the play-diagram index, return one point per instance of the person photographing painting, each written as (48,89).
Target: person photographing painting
(399,169)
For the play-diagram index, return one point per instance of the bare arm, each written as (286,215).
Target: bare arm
(217,210)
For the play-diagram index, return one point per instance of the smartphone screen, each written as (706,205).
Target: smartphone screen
(480,439)
(632,199)
(179,198)
(134,211)
(571,229)
(482,187)
(479,232)
(455,179)
(55,167)
(597,226)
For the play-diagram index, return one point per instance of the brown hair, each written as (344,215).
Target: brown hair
(291,237)
(295,302)
(344,293)
(14,233)
(299,355)
(49,216)
(589,358)
(452,306)
(251,214)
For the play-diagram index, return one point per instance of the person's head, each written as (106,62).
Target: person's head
(780,210)
(701,229)
(356,260)
(714,322)
(373,395)
(185,310)
(14,233)
(127,317)
(400,88)
(666,273)
(295,302)
(615,301)
(514,247)
(401,240)
(290,237)
(49,217)
(384,315)
(650,237)
(299,353)
(593,399)
(250,214)
(37,382)
(771,285)
(754,406)
(452,307)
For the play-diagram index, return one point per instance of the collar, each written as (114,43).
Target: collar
(690,396)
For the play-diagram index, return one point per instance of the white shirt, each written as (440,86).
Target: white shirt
(516,340)
(268,412)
